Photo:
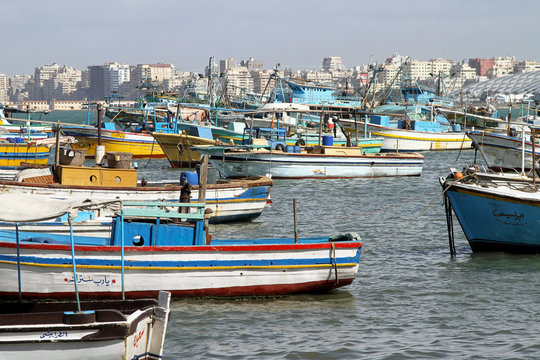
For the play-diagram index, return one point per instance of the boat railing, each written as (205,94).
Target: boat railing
(152,209)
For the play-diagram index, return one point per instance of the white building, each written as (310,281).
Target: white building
(4,87)
(423,70)
(239,81)
(526,66)
(332,63)
(502,66)
(118,74)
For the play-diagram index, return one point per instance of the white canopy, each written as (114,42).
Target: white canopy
(29,208)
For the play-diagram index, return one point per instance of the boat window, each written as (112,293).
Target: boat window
(138,240)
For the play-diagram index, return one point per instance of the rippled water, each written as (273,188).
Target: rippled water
(411,300)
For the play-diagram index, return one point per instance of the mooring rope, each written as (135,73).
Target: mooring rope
(430,204)
(390,206)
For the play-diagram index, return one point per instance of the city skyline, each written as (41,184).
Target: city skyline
(296,34)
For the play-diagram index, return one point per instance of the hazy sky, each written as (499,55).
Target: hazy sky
(294,33)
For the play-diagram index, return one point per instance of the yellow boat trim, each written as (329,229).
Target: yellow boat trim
(420,138)
(233,201)
(181,268)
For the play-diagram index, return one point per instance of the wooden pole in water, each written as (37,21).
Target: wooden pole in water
(295,223)
(251,130)
(320,127)
(356,128)
(509,121)
(533,141)
(99,123)
(57,150)
(203,176)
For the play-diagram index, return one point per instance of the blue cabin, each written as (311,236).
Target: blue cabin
(419,95)
(274,137)
(159,224)
(310,93)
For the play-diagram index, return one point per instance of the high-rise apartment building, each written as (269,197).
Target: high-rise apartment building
(526,66)
(152,75)
(332,63)
(118,74)
(4,87)
(226,64)
(252,64)
(239,81)
(482,66)
(423,70)
(55,82)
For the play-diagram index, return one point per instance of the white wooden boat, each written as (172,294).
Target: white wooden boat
(310,162)
(153,248)
(105,329)
(503,151)
(402,139)
(239,199)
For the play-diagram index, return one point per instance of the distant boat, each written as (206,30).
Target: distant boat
(505,151)
(181,149)
(157,246)
(320,162)
(16,154)
(411,134)
(474,119)
(140,144)
(496,212)
(18,143)
(105,329)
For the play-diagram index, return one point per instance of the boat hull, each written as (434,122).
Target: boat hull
(177,148)
(231,200)
(105,330)
(224,268)
(139,144)
(505,152)
(497,218)
(13,155)
(281,165)
(403,140)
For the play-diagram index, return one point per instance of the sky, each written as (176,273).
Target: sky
(294,33)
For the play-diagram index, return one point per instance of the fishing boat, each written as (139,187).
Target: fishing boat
(20,144)
(496,212)
(240,199)
(505,151)
(18,127)
(104,329)
(140,144)
(180,149)
(158,246)
(15,154)
(475,119)
(412,134)
(318,162)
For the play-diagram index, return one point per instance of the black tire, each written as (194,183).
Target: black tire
(280,147)
(300,142)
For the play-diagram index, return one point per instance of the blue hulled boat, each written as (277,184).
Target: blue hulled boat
(496,212)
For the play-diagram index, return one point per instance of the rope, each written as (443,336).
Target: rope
(410,221)
(151,153)
(460,148)
(390,206)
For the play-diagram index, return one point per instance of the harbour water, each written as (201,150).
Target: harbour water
(411,300)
